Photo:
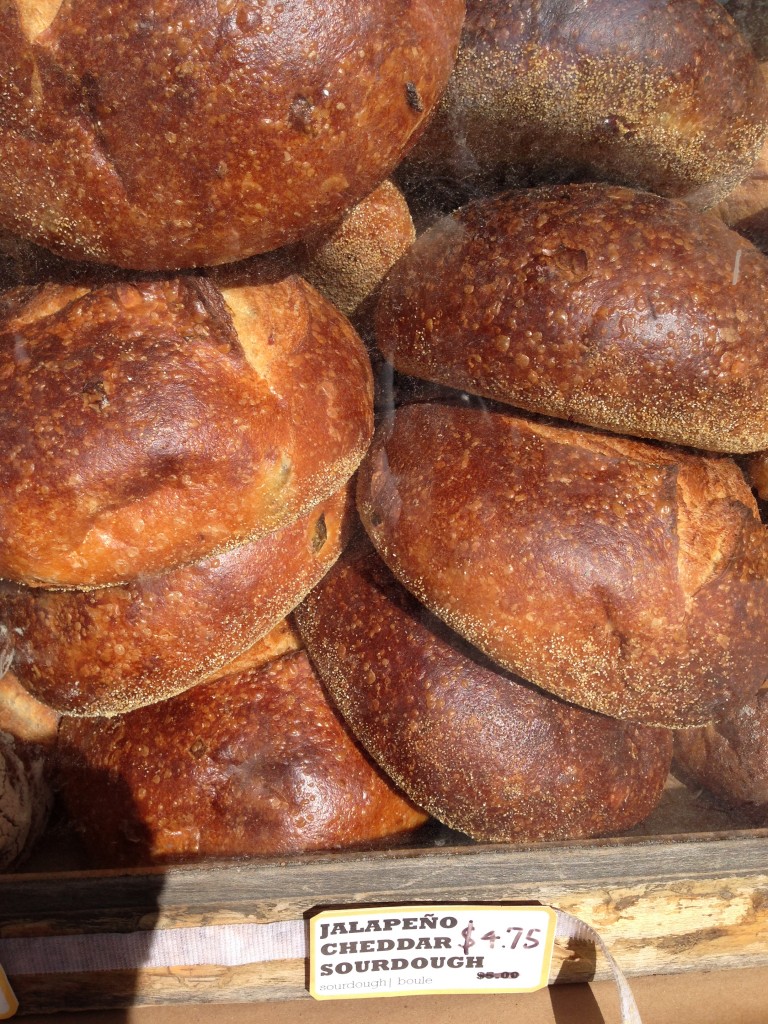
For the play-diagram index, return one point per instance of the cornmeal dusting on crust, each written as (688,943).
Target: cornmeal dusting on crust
(347,262)
(113,649)
(612,91)
(521,765)
(628,578)
(592,303)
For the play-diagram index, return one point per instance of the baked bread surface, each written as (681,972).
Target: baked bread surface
(647,93)
(628,578)
(160,135)
(147,424)
(254,763)
(593,303)
(729,758)
(477,747)
(109,650)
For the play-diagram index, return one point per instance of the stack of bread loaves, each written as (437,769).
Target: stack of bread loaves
(563,562)
(619,564)
(180,446)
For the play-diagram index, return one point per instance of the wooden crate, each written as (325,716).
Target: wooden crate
(686,891)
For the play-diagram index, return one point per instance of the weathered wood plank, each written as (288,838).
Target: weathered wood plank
(665,901)
(278,890)
(650,928)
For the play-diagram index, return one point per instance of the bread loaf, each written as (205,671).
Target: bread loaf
(655,95)
(28,732)
(109,650)
(625,577)
(593,303)
(475,746)
(729,758)
(149,424)
(197,133)
(253,763)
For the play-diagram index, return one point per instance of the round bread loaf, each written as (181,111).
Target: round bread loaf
(625,577)
(593,303)
(25,799)
(254,763)
(112,649)
(729,758)
(478,748)
(149,424)
(194,133)
(603,90)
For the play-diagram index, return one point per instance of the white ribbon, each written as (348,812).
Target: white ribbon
(229,945)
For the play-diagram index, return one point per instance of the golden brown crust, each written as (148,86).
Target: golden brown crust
(347,262)
(255,763)
(281,639)
(22,716)
(109,650)
(475,746)
(149,424)
(592,303)
(191,134)
(729,758)
(628,578)
(602,90)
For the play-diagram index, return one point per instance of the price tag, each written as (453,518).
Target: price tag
(443,949)
(9,1004)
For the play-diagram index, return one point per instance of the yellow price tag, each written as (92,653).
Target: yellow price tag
(361,953)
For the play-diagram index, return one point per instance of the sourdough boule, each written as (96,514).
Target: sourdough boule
(646,93)
(625,577)
(255,762)
(199,132)
(592,303)
(478,748)
(149,423)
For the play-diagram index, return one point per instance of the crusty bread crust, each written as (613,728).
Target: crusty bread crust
(626,577)
(348,261)
(151,423)
(729,758)
(646,93)
(478,748)
(196,133)
(109,650)
(592,303)
(252,763)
